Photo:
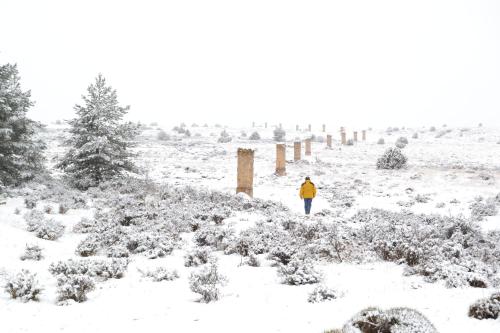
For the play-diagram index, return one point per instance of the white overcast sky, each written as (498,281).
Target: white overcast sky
(362,63)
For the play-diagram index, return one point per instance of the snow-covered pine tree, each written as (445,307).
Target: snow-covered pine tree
(20,152)
(99,139)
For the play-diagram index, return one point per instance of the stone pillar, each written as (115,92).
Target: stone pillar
(324,128)
(309,128)
(297,146)
(280,159)
(343,138)
(363,135)
(308,147)
(342,129)
(245,171)
(329,141)
(265,125)
(355,136)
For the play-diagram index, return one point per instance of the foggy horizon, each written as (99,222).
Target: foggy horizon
(358,64)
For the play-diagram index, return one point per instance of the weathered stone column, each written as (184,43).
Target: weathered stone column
(280,159)
(245,171)
(324,128)
(308,147)
(329,141)
(342,129)
(297,146)
(363,135)
(343,138)
(309,128)
(355,136)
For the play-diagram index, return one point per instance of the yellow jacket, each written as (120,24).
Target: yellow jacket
(307,190)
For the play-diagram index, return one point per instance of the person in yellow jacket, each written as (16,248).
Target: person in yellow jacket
(308,193)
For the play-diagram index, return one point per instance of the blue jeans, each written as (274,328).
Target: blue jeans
(307,205)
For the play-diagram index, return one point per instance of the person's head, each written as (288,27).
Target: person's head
(308,178)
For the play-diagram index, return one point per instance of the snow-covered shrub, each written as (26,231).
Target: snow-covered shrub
(392,158)
(224,137)
(207,282)
(443,133)
(43,228)
(33,218)
(30,202)
(197,256)
(162,136)
(483,208)
(338,244)
(322,293)
(217,238)
(279,134)
(47,209)
(63,209)
(73,287)
(214,214)
(50,230)
(32,252)
(350,142)
(401,142)
(436,247)
(298,272)
(258,239)
(89,246)
(103,269)
(486,308)
(85,226)
(179,129)
(117,251)
(396,320)
(23,286)
(381,141)
(283,253)
(161,274)
(252,260)
(254,136)
(432,129)
(415,135)
(422,198)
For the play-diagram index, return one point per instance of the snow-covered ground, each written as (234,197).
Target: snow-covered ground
(444,175)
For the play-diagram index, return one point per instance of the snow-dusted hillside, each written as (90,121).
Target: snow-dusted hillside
(451,172)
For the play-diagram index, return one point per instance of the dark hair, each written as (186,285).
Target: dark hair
(308,178)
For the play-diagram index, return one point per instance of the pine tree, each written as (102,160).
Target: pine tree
(99,140)
(20,152)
